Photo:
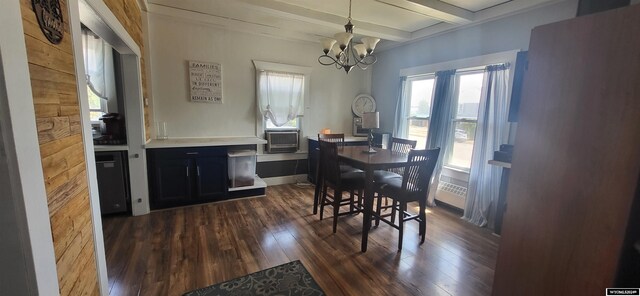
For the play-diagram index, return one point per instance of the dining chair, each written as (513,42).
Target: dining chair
(413,186)
(398,145)
(333,138)
(339,181)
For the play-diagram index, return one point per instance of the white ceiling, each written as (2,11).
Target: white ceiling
(394,21)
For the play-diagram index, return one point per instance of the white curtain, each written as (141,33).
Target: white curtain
(491,131)
(96,52)
(281,96)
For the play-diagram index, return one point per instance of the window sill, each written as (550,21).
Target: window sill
(455,173)
(455,169)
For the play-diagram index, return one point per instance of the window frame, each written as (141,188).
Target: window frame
(407,92)
(103,105)
(298,125)
(260,122)
(449,152)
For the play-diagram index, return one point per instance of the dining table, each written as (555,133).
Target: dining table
(383,159)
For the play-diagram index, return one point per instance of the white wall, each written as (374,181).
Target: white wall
(14,277)
(500,35)
(174,41)
(24,195)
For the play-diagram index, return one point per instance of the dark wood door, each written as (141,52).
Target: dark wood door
(211,177)
(576,163)
(172,182)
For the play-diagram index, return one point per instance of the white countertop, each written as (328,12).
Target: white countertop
(204,142)
(109,148)
(346,139)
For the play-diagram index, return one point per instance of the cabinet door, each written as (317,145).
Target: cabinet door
(211,177)
(172,182)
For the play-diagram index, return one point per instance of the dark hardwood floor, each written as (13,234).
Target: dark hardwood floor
(174,251)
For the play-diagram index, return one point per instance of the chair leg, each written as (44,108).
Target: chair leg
(337,198)
(378,209)
(316,195)
(403,208)
(322,200)
(394,204)
(360,198)
(423,222)
(352,204)
(319,184)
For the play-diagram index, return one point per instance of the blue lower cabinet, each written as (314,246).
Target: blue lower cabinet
(211,177)
(184,176)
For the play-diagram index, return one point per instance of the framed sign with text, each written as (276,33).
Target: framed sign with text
(205,82)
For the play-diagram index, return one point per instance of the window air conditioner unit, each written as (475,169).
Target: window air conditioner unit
(282,141)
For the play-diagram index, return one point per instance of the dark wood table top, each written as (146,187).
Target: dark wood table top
(384,158)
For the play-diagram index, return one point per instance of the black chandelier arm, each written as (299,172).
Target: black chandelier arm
(325,56)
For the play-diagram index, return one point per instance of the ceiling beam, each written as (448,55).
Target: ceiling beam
(326,19)
(434,9)
(228,23)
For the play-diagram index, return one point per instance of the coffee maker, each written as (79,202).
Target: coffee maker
(112,129)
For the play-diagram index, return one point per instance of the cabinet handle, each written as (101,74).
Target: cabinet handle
(198,168)
(192,153)
(187,167)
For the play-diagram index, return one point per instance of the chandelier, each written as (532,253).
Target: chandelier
(345,54)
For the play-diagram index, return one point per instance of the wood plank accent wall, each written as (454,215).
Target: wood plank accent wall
(129,15)
(55,99)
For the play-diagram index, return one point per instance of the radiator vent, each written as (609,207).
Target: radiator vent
(282,141)
(447,186)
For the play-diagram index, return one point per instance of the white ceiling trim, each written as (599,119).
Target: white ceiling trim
(453,18)
(229,23)
(483,16)
(326,19)
(434,9)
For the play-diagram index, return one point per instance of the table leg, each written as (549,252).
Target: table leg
(368,208)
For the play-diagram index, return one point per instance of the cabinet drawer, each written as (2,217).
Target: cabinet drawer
(189,152)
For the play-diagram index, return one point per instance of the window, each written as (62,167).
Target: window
(97,106)
(419,91)
(281,97)
(291,124)
(465,121)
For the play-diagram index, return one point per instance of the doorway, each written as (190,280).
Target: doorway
(95,16)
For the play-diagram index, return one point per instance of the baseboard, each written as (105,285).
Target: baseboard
(285,179)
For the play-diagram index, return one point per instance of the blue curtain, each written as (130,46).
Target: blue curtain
(442,112)
(400,126)
(491,131)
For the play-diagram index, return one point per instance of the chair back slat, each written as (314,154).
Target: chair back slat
(329,161)
(401,146)
(418,171)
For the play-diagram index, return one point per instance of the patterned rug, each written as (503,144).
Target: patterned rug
(286,279)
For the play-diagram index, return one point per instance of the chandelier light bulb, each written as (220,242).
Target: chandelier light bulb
(370,43)
(343,39)
(360,49)
(336,51)
(327,44)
